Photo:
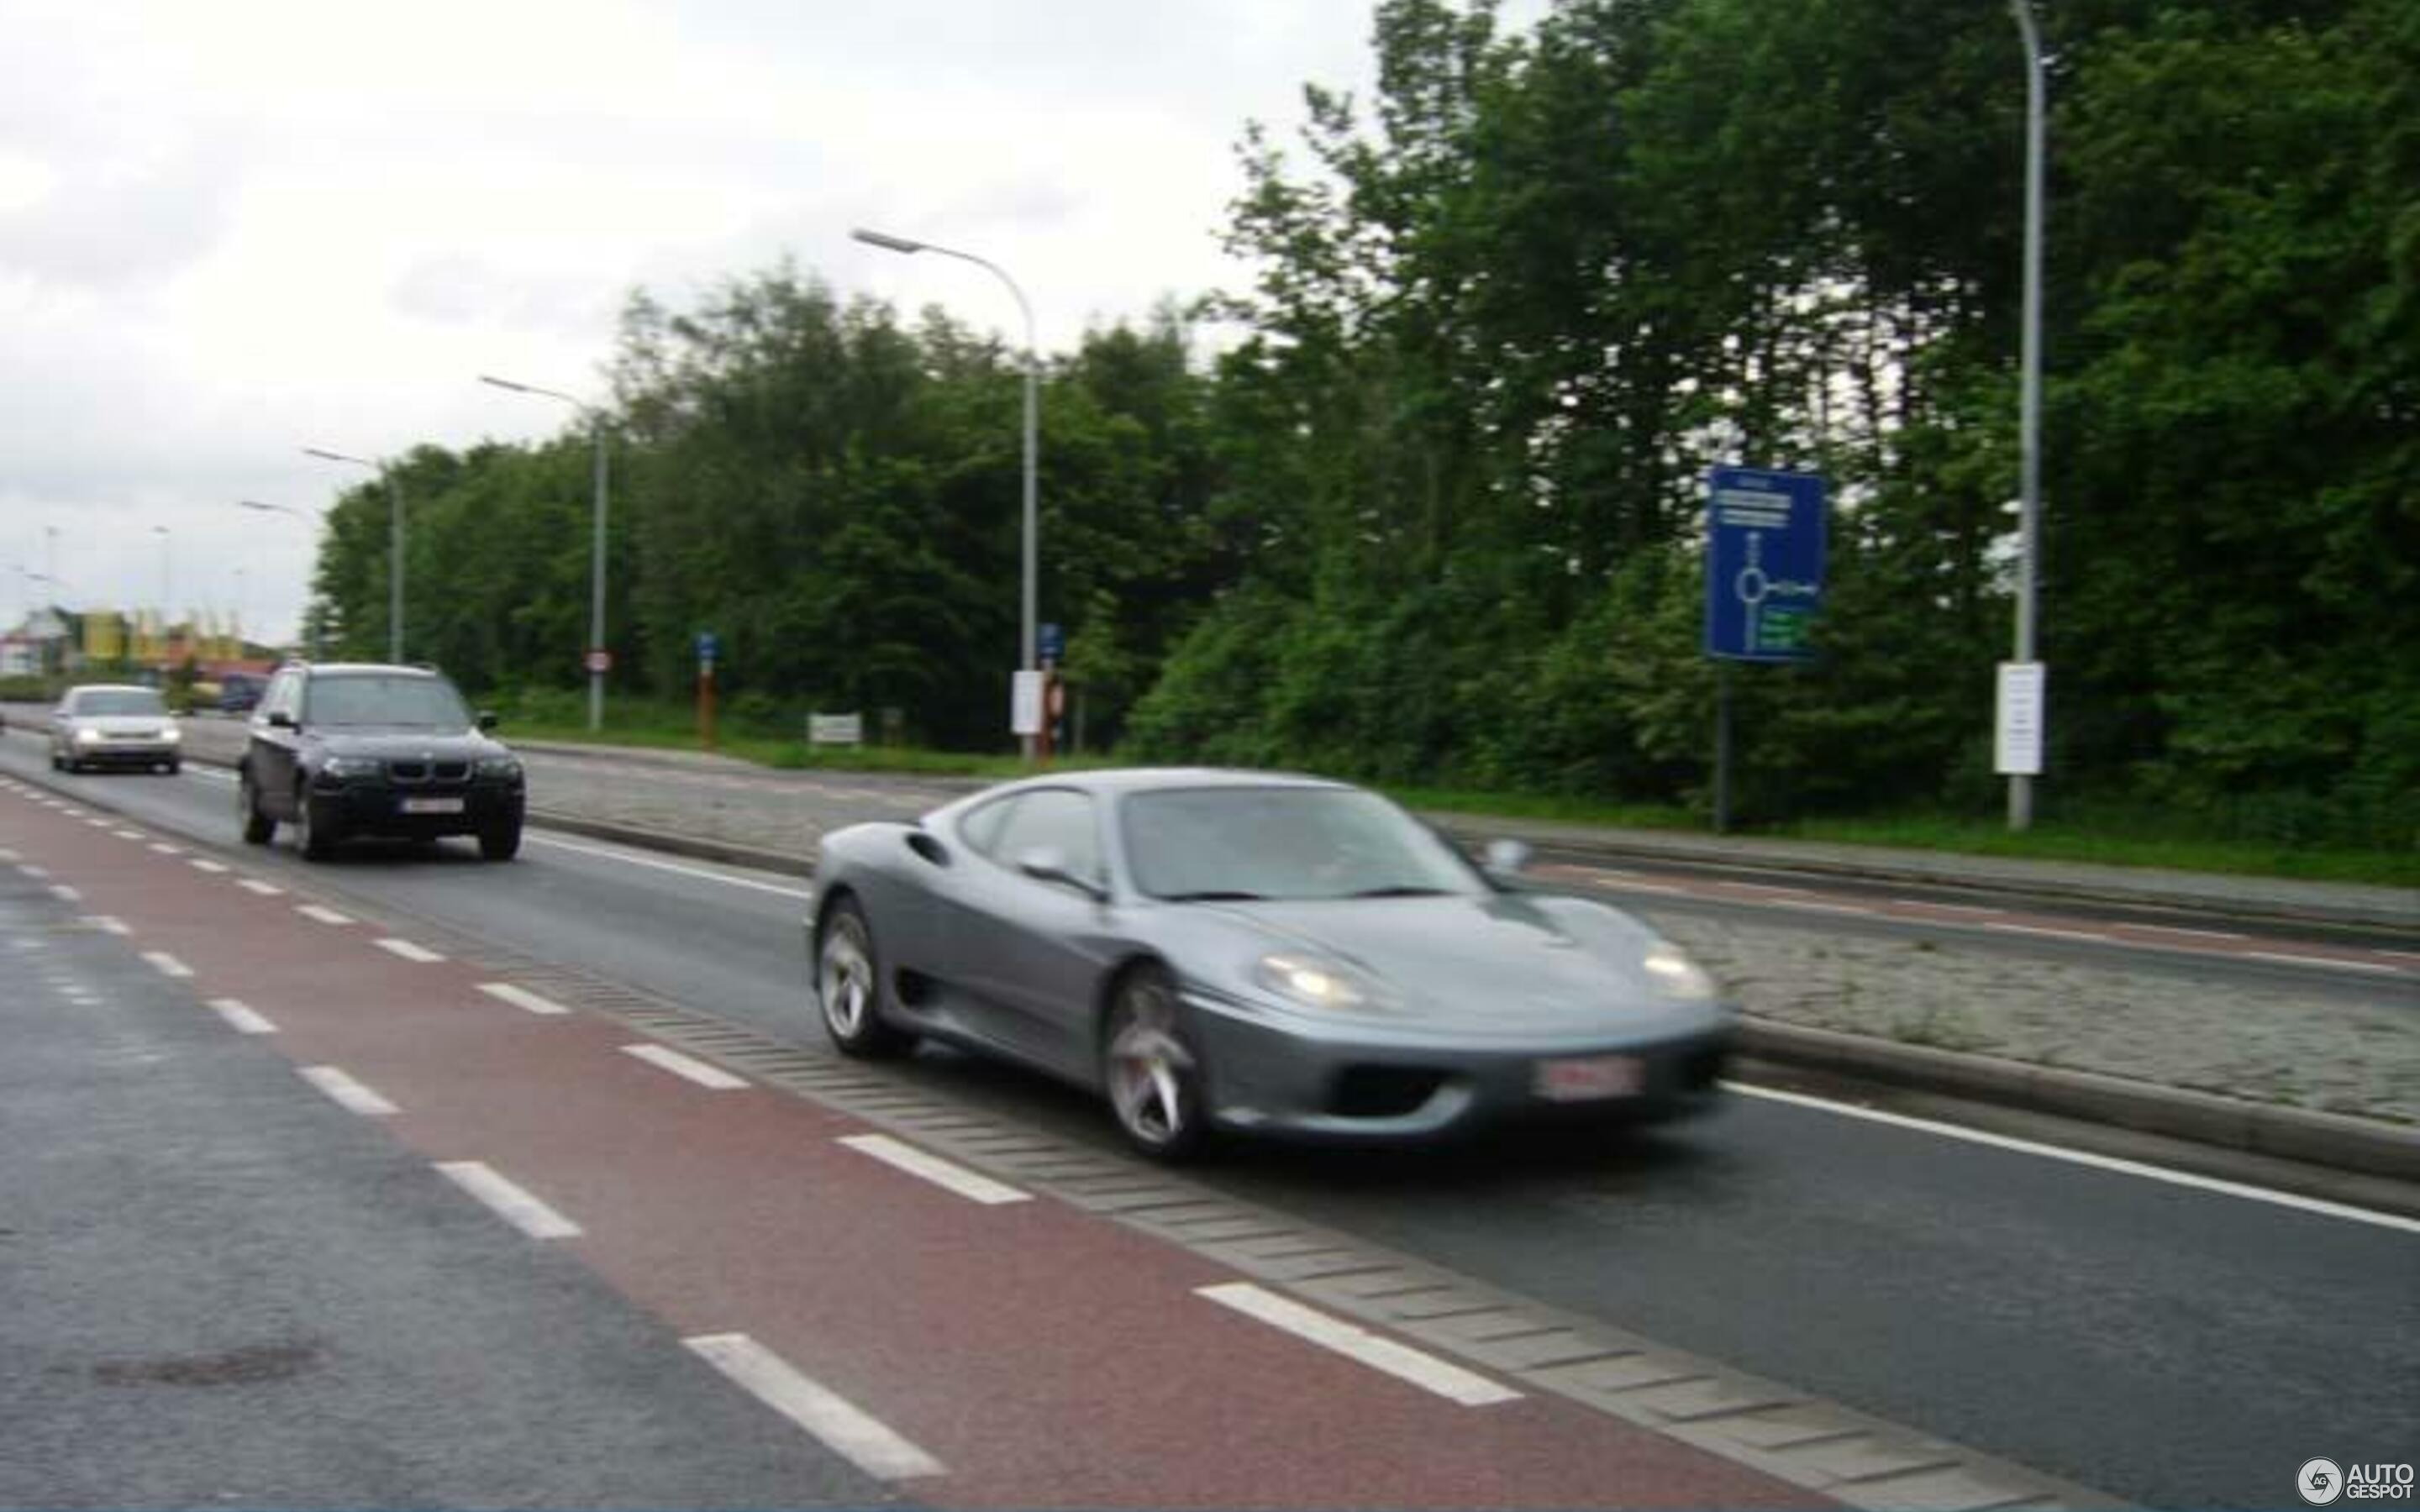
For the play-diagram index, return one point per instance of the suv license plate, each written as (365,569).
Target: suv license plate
(432,806)
(1591,1077)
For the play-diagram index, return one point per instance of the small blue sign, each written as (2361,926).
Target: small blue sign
(708,646)
(1052,642)
(1764,563)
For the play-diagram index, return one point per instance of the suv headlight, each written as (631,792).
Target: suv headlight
(348,766)
(172,734)
(1671,970)
(88,735)
(506,767)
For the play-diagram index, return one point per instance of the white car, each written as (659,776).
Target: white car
(103,724)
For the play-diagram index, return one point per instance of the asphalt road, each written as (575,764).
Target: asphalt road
(2170,1344)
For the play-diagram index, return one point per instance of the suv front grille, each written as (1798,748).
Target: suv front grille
(424,771)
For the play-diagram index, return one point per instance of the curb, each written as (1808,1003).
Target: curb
(2333,1140)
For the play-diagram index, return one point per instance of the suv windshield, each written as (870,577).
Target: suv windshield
(1252,842)
(376,699)
(133,701)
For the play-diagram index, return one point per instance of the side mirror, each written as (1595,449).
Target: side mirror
(280,721)
(1507,858)
(1048,863)
(488,719)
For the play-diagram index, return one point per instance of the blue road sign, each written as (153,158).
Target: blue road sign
(708,646)
(1051,642)
(1764,563)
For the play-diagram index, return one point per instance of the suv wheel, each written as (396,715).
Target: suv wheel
(312,831)
(257,826)
(500,844)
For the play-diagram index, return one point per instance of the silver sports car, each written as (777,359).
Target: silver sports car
(1252,952)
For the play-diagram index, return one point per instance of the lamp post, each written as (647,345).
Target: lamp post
(395,573)
(596,658)
(2021,793)
(1026,659)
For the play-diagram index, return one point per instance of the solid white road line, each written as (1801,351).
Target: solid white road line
(2078,1157)
(346,1092)
(267,889)
(324,915)
(941,1173)
(408,950)
(688,1068)
(843,1427)
(2336,963)
(2047,934)
(167,965)
(699,872)
(244,1020)
(1426,1371)
(522,997)
(508,1201)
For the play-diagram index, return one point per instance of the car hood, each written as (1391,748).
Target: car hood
(1509,962)
(404,743)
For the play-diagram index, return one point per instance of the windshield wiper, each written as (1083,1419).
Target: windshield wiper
(1403,891)
(1214,895)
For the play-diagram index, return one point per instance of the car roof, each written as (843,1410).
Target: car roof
(355,668)
(110,688)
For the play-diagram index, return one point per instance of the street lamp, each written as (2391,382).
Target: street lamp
(596,654)
(394,574)
(2021,795)
(168,578)
(1026,659)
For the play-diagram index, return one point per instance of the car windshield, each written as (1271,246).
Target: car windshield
(1298,843)
(121,700)
(373,700)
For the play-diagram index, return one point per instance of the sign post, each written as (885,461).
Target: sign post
(707,645)
(1764,584)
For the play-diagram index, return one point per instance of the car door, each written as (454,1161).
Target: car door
(271,750)
(1027,953)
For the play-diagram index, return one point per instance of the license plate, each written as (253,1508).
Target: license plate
(1588,1078)
(432,806)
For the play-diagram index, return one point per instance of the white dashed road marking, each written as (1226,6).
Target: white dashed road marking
(347,1094)
(1426,1371)
(213,867)
(508,1201)
(408,950)
(66,894)
(522,997)
(941,1173)
(688,1068)
(267,889)
(325,916)
(244,1020)
(167,965)
(105,923)
(842,1426)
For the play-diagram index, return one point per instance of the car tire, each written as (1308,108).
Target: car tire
(1151,1069)
(258,828)
(313,835)
(171,768)
(500,844)
(849,988)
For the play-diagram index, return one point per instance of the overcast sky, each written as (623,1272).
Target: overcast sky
(234,229)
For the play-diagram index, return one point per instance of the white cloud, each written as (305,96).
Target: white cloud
(230,231)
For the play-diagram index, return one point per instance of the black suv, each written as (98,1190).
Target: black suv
(350,749)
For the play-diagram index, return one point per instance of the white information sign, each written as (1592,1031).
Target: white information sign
(2018,750)
(1025,706)
(835,730)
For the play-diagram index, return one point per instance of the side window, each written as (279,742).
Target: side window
(981,828)
(1052,819)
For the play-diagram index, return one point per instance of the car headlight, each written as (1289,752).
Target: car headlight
(87,736)
(1675,974)
(1312,982)
(172,734)
(499,766)
(348,766)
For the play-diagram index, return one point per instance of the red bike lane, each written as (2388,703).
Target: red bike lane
(992,1354)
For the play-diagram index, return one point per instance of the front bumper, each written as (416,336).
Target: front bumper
(1361,1082)
(417,811)
(123,752)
